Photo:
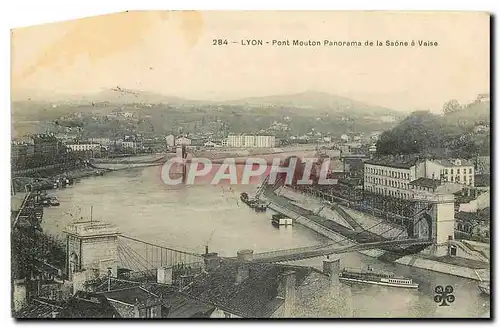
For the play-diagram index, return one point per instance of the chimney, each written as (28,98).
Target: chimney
(331,267)
(211,261)
(244,256)
(164,275)
(286,291)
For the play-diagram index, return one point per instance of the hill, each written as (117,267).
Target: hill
(315,102)
(452,134)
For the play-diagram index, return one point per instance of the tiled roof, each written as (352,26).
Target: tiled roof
(184,307)
(426,183)
(39,308)
(451,163)
(131,296)
(88,305)
(253,297)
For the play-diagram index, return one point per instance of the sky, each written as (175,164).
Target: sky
(172,53)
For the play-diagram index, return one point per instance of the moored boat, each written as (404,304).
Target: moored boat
(260,207)
(376,278)
(281,219)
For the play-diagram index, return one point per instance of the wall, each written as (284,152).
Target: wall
(19,295)
(482,201)
(99,249)
(317,297)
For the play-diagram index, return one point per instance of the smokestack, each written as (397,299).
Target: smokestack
(244,256)
(286,291)
(211,261)
(206,249)
(331,267)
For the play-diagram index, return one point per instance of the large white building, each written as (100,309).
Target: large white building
(390,178)
(84,147)
(397,178)
(251,141)
(454,170)
(170,140)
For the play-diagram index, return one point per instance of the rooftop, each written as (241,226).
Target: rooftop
(39,308)
(256,296)
(88,305)
(426,183)
(399,163)
(453,162)
(91,228)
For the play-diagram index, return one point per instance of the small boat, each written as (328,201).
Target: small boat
(260,207)
(252,203)
(376,278)
(281,219)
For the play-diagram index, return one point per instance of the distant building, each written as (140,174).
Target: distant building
(251,141)
(47,145)
(390,177)
(210,144)
(183,141)
(481,128)
(131,145)
(402,177)
(103,141)
(170,140)
(450,170)
(84,147)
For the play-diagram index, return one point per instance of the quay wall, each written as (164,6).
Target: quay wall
(409,260)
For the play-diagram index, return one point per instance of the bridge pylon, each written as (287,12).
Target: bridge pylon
(437,222)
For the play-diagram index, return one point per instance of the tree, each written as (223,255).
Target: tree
(451,106)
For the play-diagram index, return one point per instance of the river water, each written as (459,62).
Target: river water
(188,217)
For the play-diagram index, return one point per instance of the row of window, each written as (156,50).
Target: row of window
(464,170)
(386,182)
(457,179)
(399,281)
(385,192)
(389,173)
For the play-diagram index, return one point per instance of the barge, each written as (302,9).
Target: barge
(281,219)
(376,278)
(255,204)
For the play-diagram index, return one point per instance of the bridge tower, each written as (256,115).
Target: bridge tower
(91,246)
(437,221)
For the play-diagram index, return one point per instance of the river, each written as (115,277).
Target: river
(187,217)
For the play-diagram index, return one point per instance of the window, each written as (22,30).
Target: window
(470,171)
(451,171)
(446,171)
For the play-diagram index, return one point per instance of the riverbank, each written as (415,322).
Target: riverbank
(48,180)
(450,266)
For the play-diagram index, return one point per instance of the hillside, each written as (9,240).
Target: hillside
(311,101)
(452,134)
